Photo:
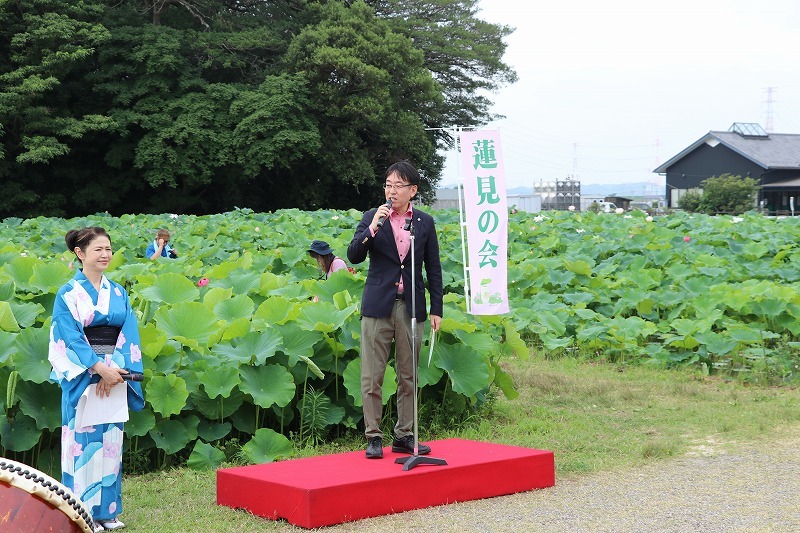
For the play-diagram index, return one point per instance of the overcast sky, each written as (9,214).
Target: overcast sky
(610,89)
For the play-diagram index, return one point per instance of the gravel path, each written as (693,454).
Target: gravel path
(752,487)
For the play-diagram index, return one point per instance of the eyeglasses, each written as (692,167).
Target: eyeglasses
(392,187)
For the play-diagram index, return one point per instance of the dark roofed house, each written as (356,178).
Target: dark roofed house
(772,159)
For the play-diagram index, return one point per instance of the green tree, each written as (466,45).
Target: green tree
(728,194)
(45,46)
(201,106)
(690,201)
(369,91)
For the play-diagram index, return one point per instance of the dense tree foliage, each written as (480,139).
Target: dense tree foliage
(202,106)
(724,194)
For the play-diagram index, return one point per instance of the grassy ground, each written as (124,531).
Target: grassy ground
(595,417)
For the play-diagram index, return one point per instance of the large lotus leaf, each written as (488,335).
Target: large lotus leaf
(242,281)
(26,313)
(341,281)
(190,323)
(167,394)
(205,457)
(238,328)
(768,307)
(7,291)
(216,295)
(322,316)
(152,339)
(220,381)
(270,282)
(266,446)
(18,434)
(428,374)
(7,320)
(352,382)
(170,436)
(234,308)
(350,334)
(20,270)
(479,340)
(298,341)
(30,358)
(49,276)
(42,402)
(275,310)
(255,346)
(7,345)
(211,431)
(222,271)
(747,334)
(268,385)
(171,288)
(292,291)
(245,419)
(716,343)
(262,345)
(504,382)
(465,367)
(220,407)
(516,343)
(631,327)
(291,256)
(165,363)
(140,423)
(190,422)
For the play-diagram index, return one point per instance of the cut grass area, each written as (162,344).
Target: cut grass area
(595,417)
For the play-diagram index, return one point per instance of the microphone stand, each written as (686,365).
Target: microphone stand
(416,459)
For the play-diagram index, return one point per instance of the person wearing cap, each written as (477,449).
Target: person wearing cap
(383,235)
(326,261)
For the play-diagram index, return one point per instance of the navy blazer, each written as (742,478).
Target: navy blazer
(385,267)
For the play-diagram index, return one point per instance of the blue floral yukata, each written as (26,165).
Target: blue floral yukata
(91,457)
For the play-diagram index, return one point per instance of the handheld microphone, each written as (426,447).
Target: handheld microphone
(383,218)
(133,376)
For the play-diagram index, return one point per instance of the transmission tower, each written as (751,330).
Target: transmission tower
(771,93)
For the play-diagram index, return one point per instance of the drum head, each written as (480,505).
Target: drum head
(33,501)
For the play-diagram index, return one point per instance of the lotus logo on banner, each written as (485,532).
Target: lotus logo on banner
(486,213)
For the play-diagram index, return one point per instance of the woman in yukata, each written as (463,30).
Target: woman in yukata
(94,342)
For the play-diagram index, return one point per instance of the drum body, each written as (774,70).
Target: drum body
(33,501)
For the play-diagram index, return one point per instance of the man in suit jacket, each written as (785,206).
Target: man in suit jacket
(386,302)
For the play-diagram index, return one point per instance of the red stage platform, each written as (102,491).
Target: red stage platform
(327,490)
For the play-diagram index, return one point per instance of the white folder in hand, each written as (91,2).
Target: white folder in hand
(93,410)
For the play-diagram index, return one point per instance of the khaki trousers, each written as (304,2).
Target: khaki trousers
(377,335)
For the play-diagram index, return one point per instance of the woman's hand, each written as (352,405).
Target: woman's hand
(109,377)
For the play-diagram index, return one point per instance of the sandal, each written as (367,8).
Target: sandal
(111,524)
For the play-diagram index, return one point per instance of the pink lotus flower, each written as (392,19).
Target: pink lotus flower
(203,282)
(686,238)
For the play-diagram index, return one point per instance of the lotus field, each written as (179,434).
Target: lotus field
(237,349)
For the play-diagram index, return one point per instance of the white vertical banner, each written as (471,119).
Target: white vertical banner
(486,209)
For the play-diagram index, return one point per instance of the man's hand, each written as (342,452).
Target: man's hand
(436,321)
(383,211)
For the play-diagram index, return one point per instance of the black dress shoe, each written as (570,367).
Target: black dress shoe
(406,445)
(375,448)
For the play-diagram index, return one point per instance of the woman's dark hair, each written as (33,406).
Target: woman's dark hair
(327,260)
(80,238)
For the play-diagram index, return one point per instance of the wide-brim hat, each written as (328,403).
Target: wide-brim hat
(320,247)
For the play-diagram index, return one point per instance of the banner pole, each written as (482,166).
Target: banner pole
(462,219)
